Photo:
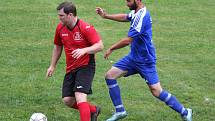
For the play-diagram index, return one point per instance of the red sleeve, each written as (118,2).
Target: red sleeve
(57,39)
(91,34)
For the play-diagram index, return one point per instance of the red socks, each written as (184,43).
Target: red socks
(92,107)
(85,110)
(75,106)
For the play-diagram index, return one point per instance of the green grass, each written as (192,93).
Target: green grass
(183,33)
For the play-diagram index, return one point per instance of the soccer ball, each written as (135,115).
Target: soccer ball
(38,117)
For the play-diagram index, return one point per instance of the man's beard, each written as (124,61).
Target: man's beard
(133,7)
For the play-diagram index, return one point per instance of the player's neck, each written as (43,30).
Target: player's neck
(139,7)
(72,24)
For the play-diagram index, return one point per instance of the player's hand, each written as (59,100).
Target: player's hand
(78,53)
(107,53)
(100,11)
(50,71)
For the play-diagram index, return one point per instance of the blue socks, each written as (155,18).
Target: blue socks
(114,92)
(172,102)
(164,96)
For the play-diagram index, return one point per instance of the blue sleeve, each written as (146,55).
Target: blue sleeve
(132,32)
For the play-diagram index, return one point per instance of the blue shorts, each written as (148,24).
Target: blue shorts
(146,71)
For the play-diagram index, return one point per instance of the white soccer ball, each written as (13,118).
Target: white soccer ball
(38,117)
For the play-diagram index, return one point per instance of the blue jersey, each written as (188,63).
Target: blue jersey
(141,48)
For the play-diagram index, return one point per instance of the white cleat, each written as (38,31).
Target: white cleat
(188,117)
(118,115)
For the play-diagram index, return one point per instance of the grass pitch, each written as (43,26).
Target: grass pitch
(183,33)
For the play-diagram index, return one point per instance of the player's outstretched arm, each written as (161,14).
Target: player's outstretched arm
(115,17)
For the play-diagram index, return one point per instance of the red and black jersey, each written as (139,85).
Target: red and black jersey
(81,36)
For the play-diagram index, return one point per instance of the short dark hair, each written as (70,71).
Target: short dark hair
(68,7)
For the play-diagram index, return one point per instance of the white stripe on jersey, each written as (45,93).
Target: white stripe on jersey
(138,20)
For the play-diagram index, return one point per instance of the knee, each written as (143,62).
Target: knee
(80,97)
(156,92)
(155,89)
(68,101)
(109,75)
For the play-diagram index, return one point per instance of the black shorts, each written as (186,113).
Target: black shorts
(79,80)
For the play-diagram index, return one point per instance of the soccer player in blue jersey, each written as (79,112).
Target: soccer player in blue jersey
(140,60)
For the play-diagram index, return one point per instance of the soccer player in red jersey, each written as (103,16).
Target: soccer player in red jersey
(80,42)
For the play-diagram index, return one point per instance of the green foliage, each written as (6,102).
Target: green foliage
(183,33)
